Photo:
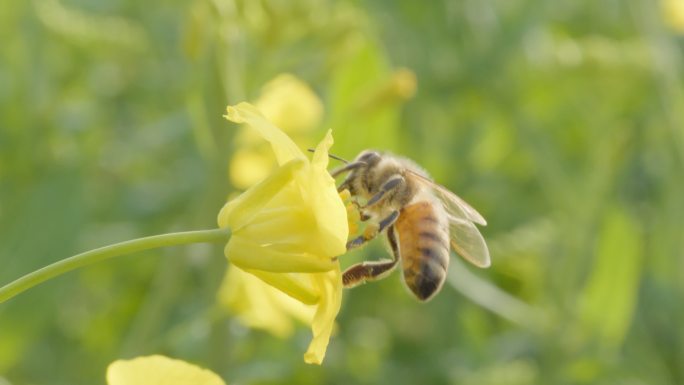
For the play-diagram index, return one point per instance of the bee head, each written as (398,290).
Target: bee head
(369,157)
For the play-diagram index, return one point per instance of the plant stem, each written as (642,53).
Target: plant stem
(127,247)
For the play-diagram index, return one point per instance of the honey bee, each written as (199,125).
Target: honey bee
(422,219)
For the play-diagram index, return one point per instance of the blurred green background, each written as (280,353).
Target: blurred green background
(562,122)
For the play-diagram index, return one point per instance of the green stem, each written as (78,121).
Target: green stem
(89,257)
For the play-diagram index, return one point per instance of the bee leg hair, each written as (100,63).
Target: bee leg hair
(367,271)
(372,270)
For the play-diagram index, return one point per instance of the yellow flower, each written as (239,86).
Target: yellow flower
(159,370)
(289,104)
(294,221)
(250,165)
(673,14)
(400,86)
(288,229)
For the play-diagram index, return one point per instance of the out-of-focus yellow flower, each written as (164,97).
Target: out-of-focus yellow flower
(159,370)
(289,104)
(403,83)
(673,14)
(399,87)
(288,229)
(261,306)
(250,165)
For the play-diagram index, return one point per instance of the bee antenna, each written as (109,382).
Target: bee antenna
(333,156)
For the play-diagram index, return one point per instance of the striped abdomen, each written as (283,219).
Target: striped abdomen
(423,231)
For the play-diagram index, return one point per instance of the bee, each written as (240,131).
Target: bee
(423,221)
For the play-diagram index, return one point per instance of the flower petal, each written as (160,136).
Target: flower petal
(249,255)
(283,147)
(326,204)
(240,210)
(320,157)
(330,284)
(159,370)
(286,224)
(292,284)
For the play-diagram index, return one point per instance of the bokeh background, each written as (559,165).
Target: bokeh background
(562,122)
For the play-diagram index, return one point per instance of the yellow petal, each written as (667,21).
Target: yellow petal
(320,157)
(287,224)
(159,370)
(292,284)
(240,210)
(249,255)
(326,204)
(283,147)
(330,284)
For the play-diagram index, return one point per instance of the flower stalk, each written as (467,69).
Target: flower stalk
(118,249)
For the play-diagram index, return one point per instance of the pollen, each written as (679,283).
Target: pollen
(353,215)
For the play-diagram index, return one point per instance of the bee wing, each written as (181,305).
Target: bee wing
(465,238)
(454,205)
(467,241)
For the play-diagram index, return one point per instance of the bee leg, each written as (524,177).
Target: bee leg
(394,245)
(372,230)
(388,186)
(369,233)
(388,220)
(367,271)
(372,271)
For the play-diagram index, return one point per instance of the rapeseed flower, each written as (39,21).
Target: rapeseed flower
(673,14)
(159,370)
(288,229)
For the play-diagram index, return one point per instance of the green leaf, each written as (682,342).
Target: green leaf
(609,297)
